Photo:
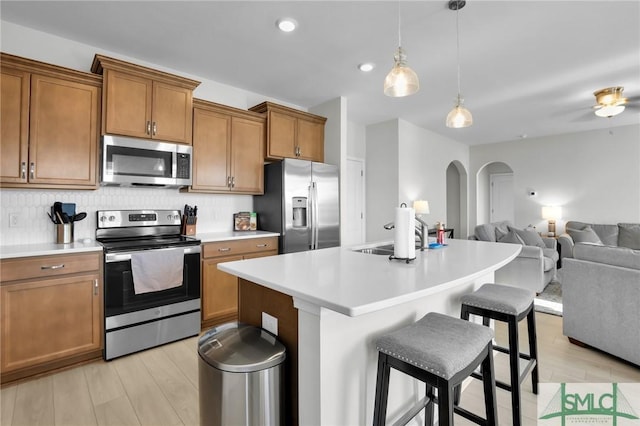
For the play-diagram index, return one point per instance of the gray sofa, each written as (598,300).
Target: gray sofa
(534,267)
(601,298)
(621,234)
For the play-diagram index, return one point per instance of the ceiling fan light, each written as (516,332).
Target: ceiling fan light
(459,116)
(609,110)
(401,80)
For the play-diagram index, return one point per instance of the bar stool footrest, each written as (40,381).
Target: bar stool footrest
(417,407)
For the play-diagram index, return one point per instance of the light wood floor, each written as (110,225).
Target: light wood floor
(160,386)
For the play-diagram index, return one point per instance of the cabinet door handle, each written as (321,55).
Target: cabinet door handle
(262,245)
(148,127)
(155,128)
(224,249)
(60,266)
(23,169)
(229,181)
(32,170)
(95,287)
(233,181)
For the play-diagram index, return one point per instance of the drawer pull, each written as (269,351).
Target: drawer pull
(60,266)
(224,249)
(262,245)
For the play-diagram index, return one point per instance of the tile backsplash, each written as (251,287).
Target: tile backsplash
(215,212)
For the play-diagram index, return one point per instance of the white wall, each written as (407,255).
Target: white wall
(356,140)
(215,211)
(594,176)
(407,163)
(382,181)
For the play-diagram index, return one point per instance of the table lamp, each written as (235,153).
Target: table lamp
(551,213)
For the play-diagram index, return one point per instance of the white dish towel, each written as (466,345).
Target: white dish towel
(156,270)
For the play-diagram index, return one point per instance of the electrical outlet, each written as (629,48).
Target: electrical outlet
(14,220)
(270,323)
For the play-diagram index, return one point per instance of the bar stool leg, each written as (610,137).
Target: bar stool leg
(382,391)
(514,358)
(489,383)
(445,404)
(428,410)
(533,349)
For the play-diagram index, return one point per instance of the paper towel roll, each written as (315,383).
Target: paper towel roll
(404,245)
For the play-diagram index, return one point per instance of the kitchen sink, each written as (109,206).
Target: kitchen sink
(376,250)
(386,249)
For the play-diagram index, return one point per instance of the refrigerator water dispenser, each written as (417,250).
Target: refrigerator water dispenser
(299,205)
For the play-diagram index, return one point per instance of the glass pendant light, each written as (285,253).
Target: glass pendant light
(459,116)
(401,80)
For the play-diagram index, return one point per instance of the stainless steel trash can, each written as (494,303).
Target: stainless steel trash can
(241,372)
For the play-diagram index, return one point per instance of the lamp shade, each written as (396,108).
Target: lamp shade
(551,212)
(401,80)
(459,117)
(421,206)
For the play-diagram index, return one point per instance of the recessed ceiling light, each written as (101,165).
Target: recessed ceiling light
(286,24)
(366,67)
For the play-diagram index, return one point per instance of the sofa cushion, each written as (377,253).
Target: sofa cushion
(610,255)
(510,237)
(530,238)
(548,263)
(551,254)
(584,235)
(629,235)
(608,234)
(485,232)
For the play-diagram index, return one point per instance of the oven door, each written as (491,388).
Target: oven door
(119,293)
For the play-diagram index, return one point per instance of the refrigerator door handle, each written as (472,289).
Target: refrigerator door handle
(310,217)
(315,229)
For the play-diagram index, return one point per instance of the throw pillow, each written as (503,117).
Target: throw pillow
(511,237)
(585,235)
(530,238)
(629,235)
(502,229)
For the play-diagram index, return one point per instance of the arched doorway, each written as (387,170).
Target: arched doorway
(495,193)
(457,200)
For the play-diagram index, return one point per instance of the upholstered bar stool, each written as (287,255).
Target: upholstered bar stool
(511,305)
(441,351)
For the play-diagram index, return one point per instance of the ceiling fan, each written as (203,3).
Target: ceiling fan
(609,101)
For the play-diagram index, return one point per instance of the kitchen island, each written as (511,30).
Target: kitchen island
(332,304)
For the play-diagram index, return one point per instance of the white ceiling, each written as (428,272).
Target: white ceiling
(528,67)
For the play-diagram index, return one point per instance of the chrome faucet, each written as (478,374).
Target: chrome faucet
(422,231)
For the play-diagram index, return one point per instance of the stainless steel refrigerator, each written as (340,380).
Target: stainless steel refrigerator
(301,201)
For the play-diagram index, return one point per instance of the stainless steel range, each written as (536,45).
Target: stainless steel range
(151,280)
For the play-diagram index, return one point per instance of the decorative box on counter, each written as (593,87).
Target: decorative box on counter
(245,221)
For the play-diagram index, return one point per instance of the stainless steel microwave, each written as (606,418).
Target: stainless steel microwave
(140,162)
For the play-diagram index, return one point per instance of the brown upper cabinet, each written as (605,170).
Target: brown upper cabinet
(292,133)
(228,149)
(49,134)
(145,103)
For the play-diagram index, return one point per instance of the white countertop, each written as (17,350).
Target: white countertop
(355,283)
(209,237)
(46,249)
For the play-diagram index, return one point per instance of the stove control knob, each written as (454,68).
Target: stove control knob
(112,218)
(176,217)
(103,218)
(169,217)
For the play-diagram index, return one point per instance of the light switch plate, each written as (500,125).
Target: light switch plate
(270,323)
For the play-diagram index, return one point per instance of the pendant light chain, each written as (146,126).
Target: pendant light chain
(458,45)
(399,26)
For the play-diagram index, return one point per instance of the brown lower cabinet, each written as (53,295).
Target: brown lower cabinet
(219,289)
(254,299)
(51,313)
